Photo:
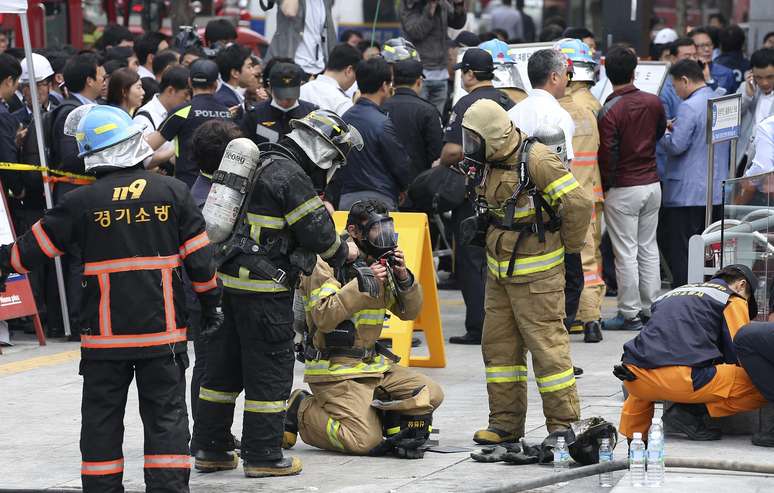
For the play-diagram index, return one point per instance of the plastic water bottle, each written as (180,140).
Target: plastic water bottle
(656,453)
(561,457)
(605,455)
(637,460)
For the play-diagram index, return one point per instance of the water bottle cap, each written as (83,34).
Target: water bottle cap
(637,435)
(560,440)
(605,441)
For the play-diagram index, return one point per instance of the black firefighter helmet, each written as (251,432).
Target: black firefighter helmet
(333,129)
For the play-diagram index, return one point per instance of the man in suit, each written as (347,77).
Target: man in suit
(236,71)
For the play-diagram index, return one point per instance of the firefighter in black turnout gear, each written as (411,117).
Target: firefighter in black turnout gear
(136,230)
(253,351)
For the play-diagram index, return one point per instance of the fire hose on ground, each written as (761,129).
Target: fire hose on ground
(619,465)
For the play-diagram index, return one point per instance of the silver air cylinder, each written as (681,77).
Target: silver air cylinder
(230,186)
(552,137)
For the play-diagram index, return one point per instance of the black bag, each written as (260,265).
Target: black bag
(438,189)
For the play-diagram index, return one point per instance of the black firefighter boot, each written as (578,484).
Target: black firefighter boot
(764,438)
(286,466)
(290,435)
(212,461)
(691,420)
(592,331)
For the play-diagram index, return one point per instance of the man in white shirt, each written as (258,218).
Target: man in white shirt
(174,91)
(328,90)
(757,97)
(763,157)
(548,74)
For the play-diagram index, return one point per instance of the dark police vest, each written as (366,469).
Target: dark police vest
(687,328)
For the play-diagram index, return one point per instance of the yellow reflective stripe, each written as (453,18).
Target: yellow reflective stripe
(392,431)
(327,289)
(504,374)
(555,382)
(525,265)
(270,222)
(105,128)
(332,249)
(369,317)
(324,367)
(206,394)
(183,112)
(265,406)
(332,429)
(302,210)
(561,186)
(254,285)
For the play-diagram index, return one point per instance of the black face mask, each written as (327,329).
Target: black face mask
(378,236)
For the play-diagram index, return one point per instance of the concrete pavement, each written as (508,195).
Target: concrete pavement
(40,424)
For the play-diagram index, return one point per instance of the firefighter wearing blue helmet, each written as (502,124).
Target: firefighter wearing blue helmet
(135,230)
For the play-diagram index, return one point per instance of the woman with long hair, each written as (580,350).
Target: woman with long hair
(125,90)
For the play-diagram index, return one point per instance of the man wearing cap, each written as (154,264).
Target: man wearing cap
(269,121)
(416,121)
(183,120)
(686,354)
(477,73)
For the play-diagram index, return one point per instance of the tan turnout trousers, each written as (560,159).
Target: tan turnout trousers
(521,318)
(339,415)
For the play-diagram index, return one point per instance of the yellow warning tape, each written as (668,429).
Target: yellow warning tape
(43,169)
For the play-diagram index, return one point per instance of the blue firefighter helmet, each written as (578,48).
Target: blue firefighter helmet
(106,137)
(102,127)
(498,49)
(580,56)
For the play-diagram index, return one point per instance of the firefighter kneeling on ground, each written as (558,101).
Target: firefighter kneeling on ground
(524,191)
(360,394)
(135,230)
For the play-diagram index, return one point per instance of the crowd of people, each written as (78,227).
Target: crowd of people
(540,170)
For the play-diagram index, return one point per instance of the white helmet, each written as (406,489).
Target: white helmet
(41,66)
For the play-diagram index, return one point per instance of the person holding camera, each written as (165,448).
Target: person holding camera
(425,23)
(363,402)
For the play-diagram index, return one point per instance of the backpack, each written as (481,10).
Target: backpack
(49,119)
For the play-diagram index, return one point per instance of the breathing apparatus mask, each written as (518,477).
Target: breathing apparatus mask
(378,237)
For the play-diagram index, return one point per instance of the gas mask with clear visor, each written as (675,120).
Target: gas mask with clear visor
(379,237)
(473,149)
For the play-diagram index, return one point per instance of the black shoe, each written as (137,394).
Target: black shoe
(577,371)
(690,420)
(287,466)
(764,438)
(469,338)
(211,461)
(643,317)
(55,333)
(592,332)
(290,435)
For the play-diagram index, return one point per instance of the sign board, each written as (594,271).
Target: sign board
(724,115)
(520,54)
(17,300)
(648,77)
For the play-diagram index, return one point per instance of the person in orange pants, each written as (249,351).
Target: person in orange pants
(686,354)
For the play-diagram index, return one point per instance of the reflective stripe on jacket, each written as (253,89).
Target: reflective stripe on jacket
(135,230)
(327,304)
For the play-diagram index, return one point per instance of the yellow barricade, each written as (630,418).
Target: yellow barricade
(414,240)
